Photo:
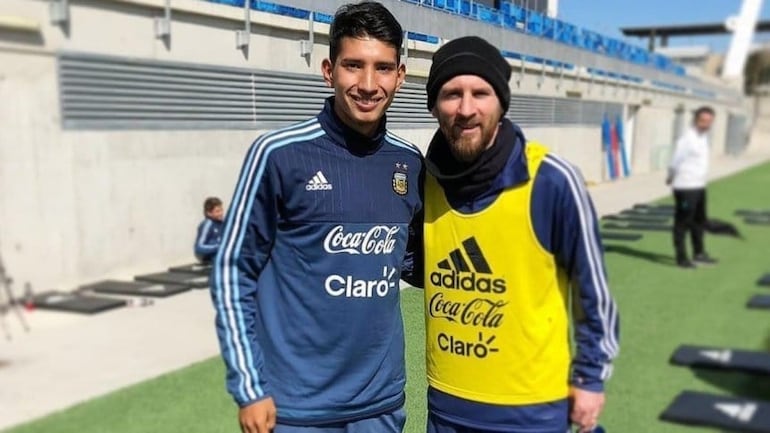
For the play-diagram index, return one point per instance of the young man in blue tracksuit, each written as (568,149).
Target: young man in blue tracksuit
(511,246)
(306,283)
(209,233)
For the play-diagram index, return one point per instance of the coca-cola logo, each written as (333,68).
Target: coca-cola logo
(479,312)
(377,240)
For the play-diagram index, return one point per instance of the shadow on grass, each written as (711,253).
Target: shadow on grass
(753,386)
(662,259)
(744,385)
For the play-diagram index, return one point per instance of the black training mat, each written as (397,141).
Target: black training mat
(637,219)
(760,302)
(653,206)
(763,221)
(764,280)
(190,280)
(752,213)
(75,303)
(709,410)
(620,236)
(639,227)
(193,268)
(723,359)
(130,288)
(650,212)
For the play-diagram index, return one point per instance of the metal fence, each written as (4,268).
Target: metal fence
(106,92)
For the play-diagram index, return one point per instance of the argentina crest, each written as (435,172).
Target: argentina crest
(400,185)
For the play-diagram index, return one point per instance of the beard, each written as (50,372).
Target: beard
(468,148)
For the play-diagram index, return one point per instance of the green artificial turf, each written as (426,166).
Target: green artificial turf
(660,306)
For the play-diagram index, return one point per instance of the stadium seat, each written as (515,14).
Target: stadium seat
(566,33)
(488,15)
(467,8)
(764,280)
(549,28)
(746,361)
(518,16)
(535,23)
(322,18)
(709,410)
(422,37)
(238,3)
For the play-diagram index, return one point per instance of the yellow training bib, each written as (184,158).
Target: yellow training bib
(496,303)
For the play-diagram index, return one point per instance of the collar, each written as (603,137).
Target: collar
(501,166)
(695,133)
(516,171)
(345,136)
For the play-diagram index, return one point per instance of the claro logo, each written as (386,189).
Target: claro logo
(348,286)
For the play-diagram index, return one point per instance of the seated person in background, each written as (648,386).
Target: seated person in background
(209,230)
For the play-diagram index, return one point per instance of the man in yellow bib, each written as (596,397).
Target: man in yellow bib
(512,252)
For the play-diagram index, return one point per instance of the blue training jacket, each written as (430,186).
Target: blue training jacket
(207,240)
(306,283)
(565,222)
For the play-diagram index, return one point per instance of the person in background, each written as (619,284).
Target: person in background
(688,175)
(209,230)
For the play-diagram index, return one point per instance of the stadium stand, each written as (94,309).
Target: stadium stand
(515,18)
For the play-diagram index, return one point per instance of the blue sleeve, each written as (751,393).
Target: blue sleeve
(413,269)
(566,224)
(206,244)
(247,240)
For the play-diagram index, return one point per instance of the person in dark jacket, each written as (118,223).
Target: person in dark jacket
(306,283)
(511,244)
(209,230)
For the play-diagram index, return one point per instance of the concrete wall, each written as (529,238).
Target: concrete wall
(77,206)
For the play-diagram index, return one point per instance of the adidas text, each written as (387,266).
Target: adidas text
(468,281)
(317,187)
(318,183)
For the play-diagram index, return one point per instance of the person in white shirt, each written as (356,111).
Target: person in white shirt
(687,175)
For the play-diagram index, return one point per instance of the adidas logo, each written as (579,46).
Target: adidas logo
(318,183)
(742,412)
(455,272)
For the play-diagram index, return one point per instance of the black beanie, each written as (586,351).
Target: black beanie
(469,55)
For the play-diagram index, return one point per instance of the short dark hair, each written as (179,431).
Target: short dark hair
(210,204)
(703,110)
(368,18)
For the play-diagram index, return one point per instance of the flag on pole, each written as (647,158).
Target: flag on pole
(607,144)
(622,145)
